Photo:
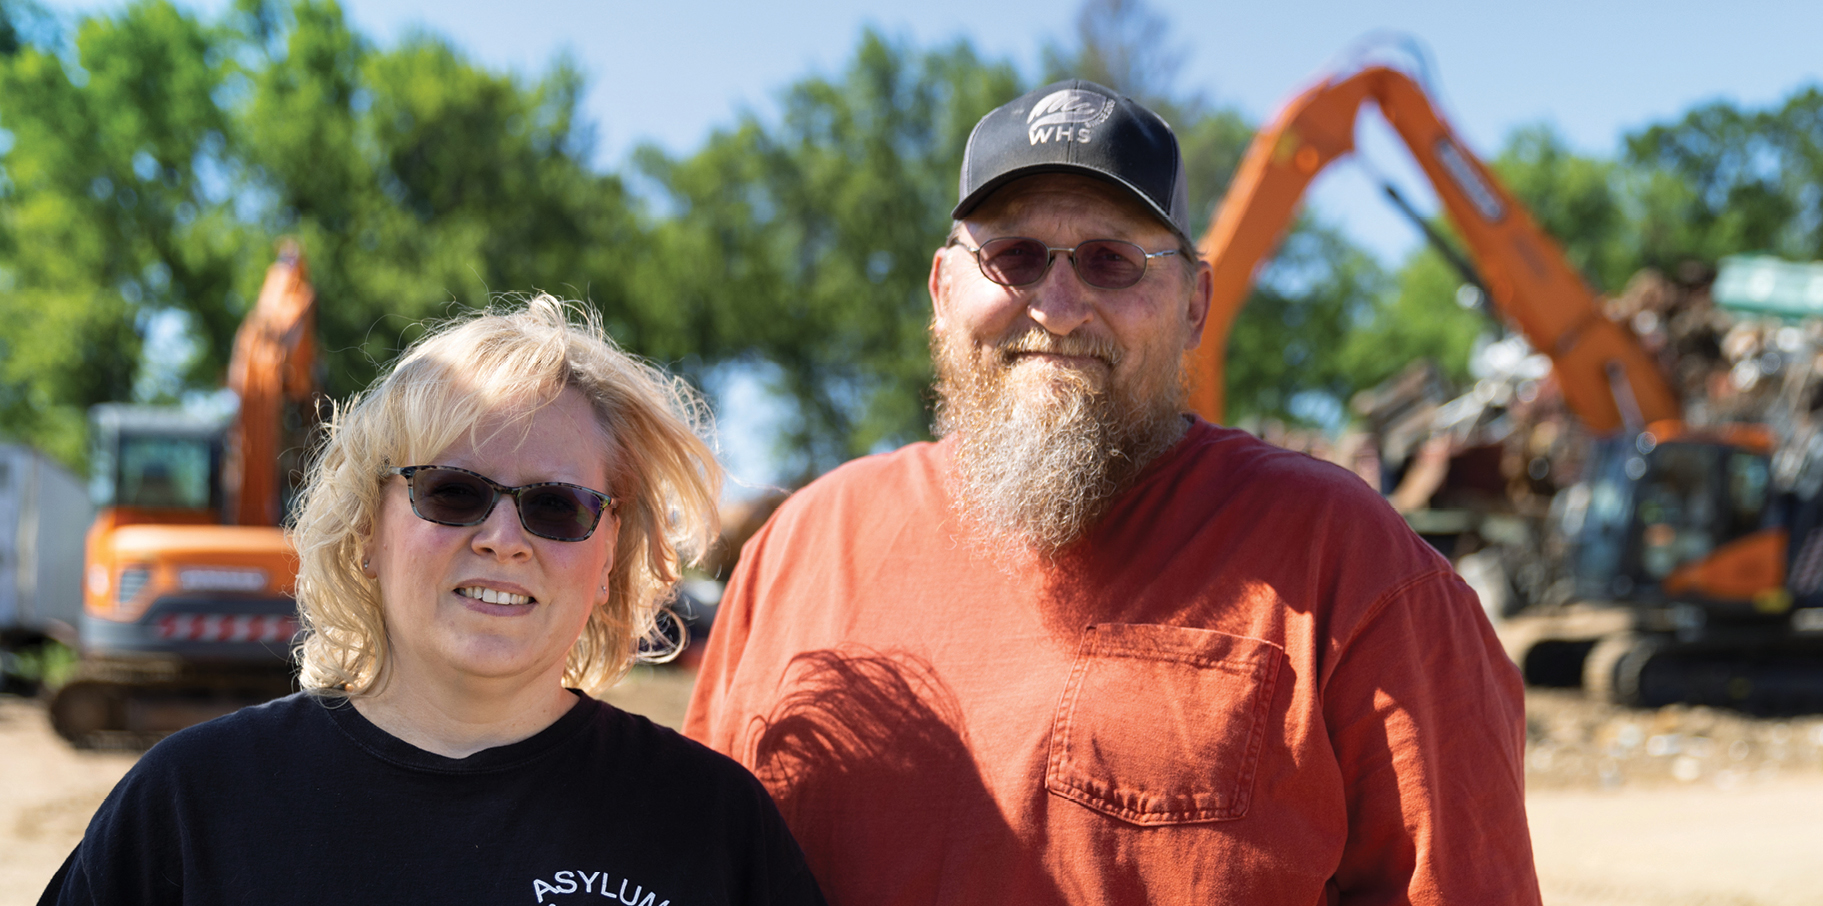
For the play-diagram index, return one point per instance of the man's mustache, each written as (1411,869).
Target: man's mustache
(1037,339)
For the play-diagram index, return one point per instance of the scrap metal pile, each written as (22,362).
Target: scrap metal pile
(1510,444)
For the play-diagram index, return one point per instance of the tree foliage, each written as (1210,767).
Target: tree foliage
(1310,300)
(105,219)
(1722,180)
(155,161)
(420,183)
(151,157)
(807,243)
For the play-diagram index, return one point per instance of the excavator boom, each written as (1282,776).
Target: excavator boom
(273,364)
(1608,379)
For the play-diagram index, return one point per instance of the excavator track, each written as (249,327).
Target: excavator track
(1645,670)
(126,706)
(1615,667)
(1767,683)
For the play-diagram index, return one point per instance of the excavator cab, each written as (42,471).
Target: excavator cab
(1671,523)
(150,458)
(1687,538)
(184,618)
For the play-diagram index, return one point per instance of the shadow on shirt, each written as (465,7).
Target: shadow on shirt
(868,762)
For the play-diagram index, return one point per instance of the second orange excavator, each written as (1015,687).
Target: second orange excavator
(1677,543)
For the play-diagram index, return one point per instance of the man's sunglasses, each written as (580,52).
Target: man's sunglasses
(447,495)
(1017,261)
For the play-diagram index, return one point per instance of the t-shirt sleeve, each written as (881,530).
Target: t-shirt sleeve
(1427,718)
(132,850)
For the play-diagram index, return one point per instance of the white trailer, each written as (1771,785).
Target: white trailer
(44,517)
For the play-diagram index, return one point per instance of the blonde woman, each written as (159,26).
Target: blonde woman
(486,537)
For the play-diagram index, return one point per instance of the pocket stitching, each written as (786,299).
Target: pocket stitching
(1264,670)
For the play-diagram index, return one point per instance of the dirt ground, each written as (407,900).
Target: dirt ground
(1674,807)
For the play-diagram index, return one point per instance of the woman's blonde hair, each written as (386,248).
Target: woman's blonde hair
(444,386)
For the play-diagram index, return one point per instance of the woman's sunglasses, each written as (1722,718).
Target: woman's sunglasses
(447,495)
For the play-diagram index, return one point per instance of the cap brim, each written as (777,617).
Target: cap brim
(975,199)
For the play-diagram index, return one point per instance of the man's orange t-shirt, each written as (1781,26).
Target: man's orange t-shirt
(1250,683)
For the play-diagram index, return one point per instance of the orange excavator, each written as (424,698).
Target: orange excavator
(187,607)
(1677,543)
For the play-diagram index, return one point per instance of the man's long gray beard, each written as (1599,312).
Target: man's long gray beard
(1042,451)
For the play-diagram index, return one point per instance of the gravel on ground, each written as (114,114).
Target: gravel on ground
(1679,806)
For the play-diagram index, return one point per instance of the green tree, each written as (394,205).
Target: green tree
(1415,317)
(805,244)
(419,182)
(1307,306)
(150,172)
(1722,180)
(102,224)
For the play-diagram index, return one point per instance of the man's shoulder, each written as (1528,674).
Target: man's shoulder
(904,463)
(1241,463)
(1226,481)
(907,474)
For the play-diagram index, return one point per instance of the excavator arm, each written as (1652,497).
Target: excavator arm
(1608,379)
(274,363)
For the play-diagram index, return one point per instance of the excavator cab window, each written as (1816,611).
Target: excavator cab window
(142,457)
(1678,509)
(1749,486)
(1595,517)
(1695,498)
(1640,516)
(164,472)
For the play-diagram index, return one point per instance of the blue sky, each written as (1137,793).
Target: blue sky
(671,72)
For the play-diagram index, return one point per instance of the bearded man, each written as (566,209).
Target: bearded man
(1087,648)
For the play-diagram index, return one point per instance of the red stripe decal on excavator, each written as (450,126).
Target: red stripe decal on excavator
(217,627)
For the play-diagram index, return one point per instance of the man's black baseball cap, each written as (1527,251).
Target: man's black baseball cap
(1077,126)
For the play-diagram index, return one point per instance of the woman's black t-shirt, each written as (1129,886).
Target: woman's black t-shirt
(304,801)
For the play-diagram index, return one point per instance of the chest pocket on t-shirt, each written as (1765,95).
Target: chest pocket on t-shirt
(1163,724)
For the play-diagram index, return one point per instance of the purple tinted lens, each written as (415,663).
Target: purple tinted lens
(1013,261)
(452,498)
(1110,264)
(559,513)
(1104,263)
